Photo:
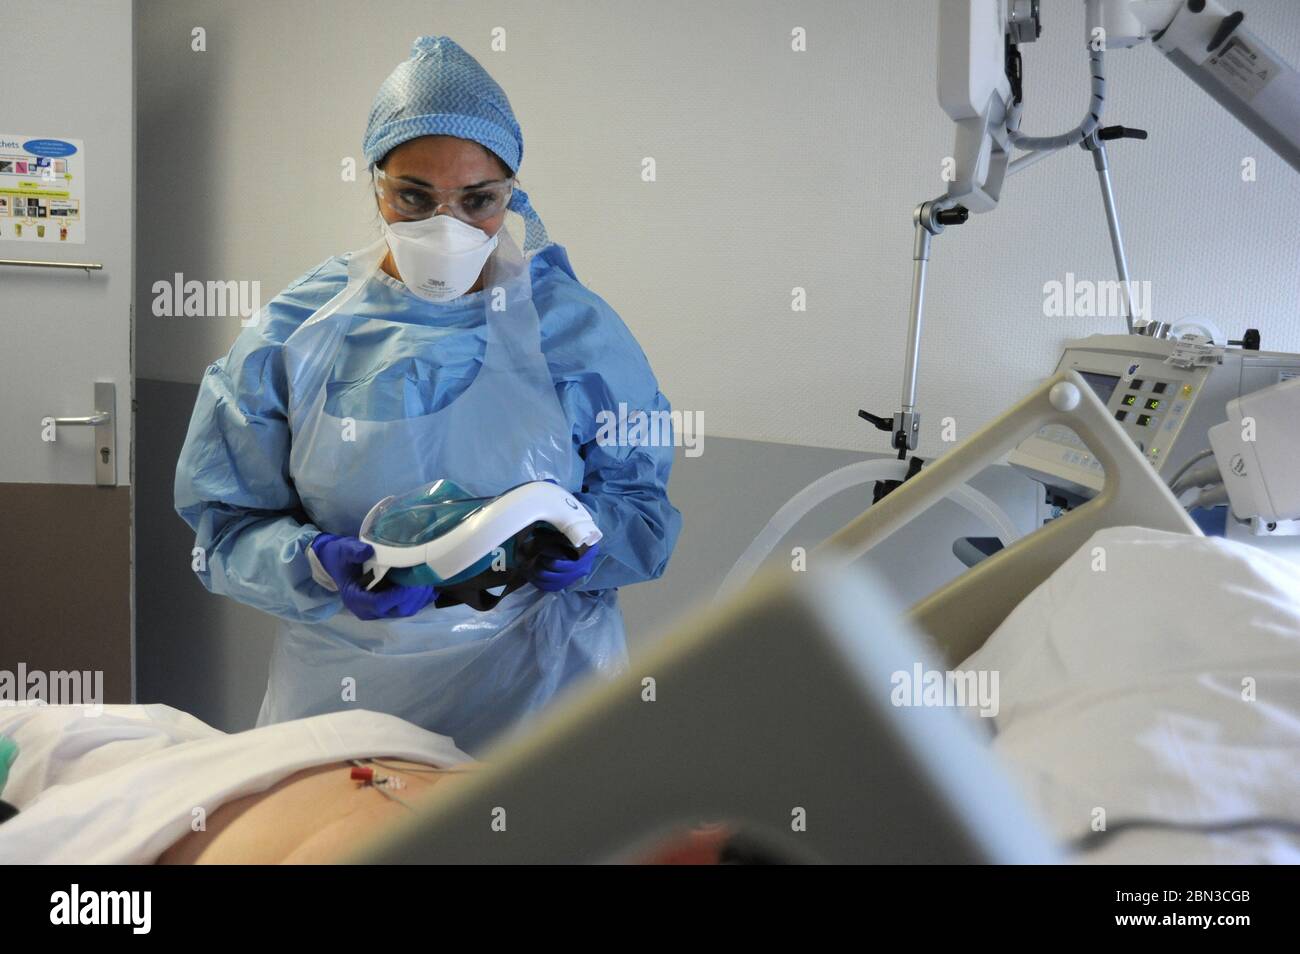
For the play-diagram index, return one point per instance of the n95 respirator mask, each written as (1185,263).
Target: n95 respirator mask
(440,257)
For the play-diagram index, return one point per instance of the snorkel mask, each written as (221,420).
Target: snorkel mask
(438,535)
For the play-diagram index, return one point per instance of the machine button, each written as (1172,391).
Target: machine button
(1159,387)
(1121,415)
(1137,384)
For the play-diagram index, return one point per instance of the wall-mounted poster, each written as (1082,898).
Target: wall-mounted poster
(42,189)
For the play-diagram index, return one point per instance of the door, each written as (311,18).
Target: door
(66,260)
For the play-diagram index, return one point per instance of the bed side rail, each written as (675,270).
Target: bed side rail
(963,614)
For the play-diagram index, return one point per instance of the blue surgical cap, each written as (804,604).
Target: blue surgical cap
(443,91)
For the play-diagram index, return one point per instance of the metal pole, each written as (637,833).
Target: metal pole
(921,257)
(1112,222)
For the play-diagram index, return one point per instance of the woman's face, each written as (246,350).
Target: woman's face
(445,162)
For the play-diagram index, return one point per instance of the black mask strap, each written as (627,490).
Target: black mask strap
(533,544)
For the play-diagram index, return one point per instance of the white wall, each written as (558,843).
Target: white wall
(775,169)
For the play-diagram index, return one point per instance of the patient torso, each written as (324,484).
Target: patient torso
(314,816)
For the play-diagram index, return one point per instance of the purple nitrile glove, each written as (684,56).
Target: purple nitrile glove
(554,571)
(343,559)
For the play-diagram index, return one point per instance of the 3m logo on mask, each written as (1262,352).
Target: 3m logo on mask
(436,287)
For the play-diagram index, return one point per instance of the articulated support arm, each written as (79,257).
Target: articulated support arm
(929,220)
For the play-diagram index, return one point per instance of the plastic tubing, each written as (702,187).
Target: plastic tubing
(837,481)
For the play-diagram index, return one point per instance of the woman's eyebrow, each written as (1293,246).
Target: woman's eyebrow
(429,185)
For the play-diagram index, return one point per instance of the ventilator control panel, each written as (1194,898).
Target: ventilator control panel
(1166,408)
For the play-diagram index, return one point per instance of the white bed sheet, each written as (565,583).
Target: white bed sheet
(121,787)
(1127,689)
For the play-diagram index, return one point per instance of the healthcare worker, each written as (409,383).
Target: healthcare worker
(438,351)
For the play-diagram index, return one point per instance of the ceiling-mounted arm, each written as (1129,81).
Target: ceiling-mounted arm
(976,91)
(929,219)
(979,77)
(1220,54)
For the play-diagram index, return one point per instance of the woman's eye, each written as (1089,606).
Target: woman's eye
(478,201)
(415,199)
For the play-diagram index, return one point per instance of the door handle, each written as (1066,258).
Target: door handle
(105,432)
(99,417)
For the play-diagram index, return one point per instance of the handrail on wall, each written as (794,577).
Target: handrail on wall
(88,266)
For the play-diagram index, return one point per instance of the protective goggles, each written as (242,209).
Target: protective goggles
(416,200)
(437,535)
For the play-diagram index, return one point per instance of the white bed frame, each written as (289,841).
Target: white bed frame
(963,614)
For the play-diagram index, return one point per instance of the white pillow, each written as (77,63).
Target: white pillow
(1125,686)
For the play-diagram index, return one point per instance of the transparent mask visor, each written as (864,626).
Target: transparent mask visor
(419,516)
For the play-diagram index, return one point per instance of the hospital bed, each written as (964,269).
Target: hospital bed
(776,712)
(772,710)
